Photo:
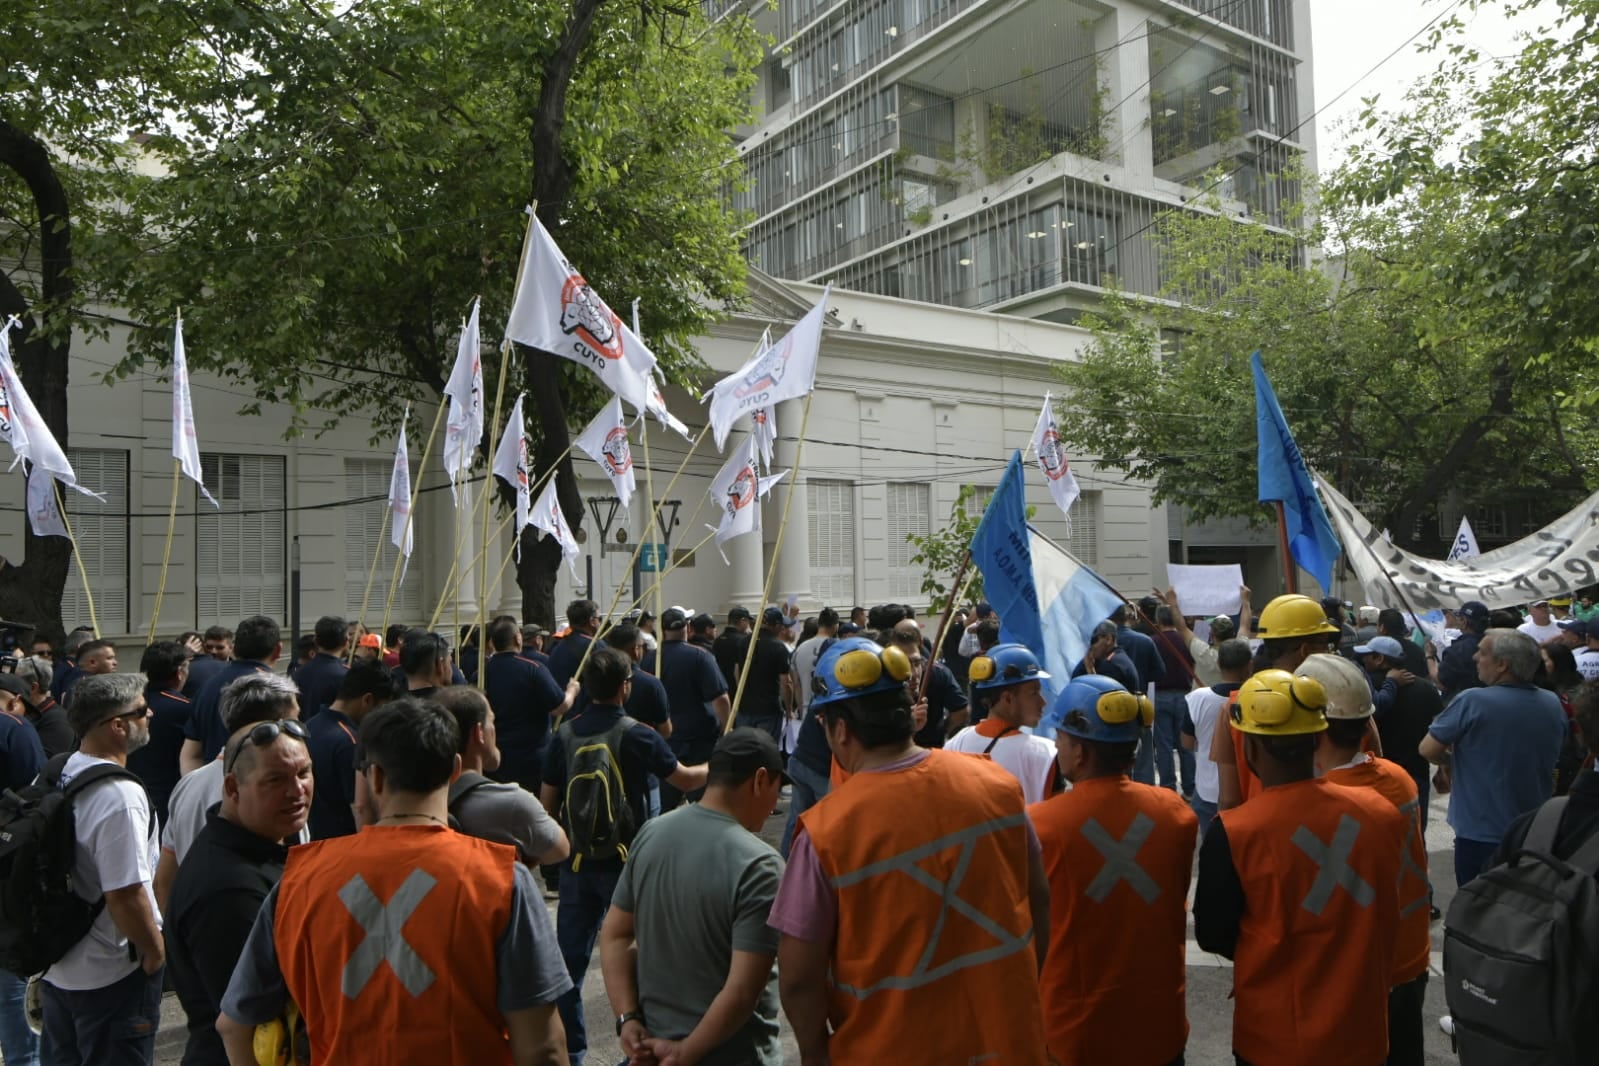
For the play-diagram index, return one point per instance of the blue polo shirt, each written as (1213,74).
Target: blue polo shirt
(318,682)
(1505,740)
(1145,656)
(202,668)
(157,762)
(21,754)
(567,654)
(330,737)
(205,718)
(523,695)
(692,682)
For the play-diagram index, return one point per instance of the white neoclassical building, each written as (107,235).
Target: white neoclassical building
(913,400)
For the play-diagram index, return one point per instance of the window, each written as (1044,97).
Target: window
(832,541)
(366,525)
(101,530)
(977,502)
(1084,539)
(908,513)
(239,555)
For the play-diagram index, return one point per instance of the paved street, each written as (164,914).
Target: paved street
(1209,982)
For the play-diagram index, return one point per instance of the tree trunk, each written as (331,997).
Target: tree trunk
(30,592)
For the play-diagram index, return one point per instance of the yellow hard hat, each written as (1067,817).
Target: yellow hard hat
(1275,703)
(1294,616)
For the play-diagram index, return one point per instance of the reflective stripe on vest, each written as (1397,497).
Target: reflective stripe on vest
(1407,859)
(384,925)
(1332,866)
(905,863)
(1121,860)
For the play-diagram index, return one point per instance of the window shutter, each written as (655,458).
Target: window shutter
(241,551)
(366,482)
(101,530)
(832,541)
(909,504)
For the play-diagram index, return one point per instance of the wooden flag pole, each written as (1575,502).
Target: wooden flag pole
(956,588)
(771,573)
(1289,578)
(650,525)
(410,519)
(488,493)
(605,618)
(77,556)
(377,556)
(655,586)
(166,552)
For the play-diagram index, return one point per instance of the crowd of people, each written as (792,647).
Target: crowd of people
(346,857)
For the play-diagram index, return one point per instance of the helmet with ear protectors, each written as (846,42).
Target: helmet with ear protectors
(1276,703)
(854,667)
(1004,665)
(1098,709)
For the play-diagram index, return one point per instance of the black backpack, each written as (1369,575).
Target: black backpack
(599,821)
(41,917)
(1521,955)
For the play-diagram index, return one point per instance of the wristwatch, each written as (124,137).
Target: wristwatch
(630,1016)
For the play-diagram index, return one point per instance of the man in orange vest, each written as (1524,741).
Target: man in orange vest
(1118,855)
(407,941)
(1339,759)
(1300,888)
(914,911)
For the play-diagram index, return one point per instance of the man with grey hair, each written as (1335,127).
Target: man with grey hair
(48,718)
(1499,744)
(264,697)
(102,999)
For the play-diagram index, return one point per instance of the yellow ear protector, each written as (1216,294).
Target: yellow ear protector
(1119,708)
(861,669)
(1273,706)
(981,668)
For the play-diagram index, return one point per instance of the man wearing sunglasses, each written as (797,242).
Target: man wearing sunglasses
(102,999)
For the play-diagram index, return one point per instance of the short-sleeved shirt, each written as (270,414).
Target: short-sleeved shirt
(647,700)
(567,654)
(1505,740)
(1030,759)
(197,792)
(116,849)
(1206,707)
(527,959)
(157,762)
(205,719)
(944,697)
(729,648)
(642,753)
(55,732)
(318,682)
(523,695)
(763,690)
(504,814)
(700,887)
(330,736)
(692,684)
(202,668)
(803,666)
(21,754)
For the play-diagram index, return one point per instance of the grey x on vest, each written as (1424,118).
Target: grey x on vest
(1121,859)
(1332,861)
(385,934)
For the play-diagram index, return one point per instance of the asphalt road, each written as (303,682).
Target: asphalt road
(1209,982)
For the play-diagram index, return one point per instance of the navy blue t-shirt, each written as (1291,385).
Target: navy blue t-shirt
(692,681)
(205,717)
(21,754)
(330,738)
(1144,655)
(523,695)
(944,697)
(318,682)
(157,762)
(202,668)
(566,656)
(533,655)
(642,753)
(647,701)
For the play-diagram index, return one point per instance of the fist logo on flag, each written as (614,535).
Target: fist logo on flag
(585,316)
(618,456)
(742,492)
(767,373)
(1051,457)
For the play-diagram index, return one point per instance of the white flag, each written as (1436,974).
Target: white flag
(463,426)
(785,371)
(24,429)
(737,492)
(548,517)
(557,311)
(510,465)
(657,407)
(605,441)
(1465,545)
(400,530)
(1052,460)
(44,510)
(765,420)
(185,444)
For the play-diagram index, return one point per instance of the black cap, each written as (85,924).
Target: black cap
(774,616)
(738,614)
(13,684)
(848,629)
(1475,612)
(702,623)
(674,618)
(739,753)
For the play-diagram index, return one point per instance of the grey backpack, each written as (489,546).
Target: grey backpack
(1521,955)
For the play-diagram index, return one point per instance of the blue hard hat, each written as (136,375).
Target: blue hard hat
(857,667)
(1096,708)
(1005,664)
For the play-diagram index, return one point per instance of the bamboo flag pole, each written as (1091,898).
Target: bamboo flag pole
(652,522)
(410,519)
(377,556)
(77,556)
(166,552)
(578,673)
(771,573)
(957,587)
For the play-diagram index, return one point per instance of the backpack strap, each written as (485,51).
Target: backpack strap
(1541,833)
(460,789)
(94,775)
(51,774)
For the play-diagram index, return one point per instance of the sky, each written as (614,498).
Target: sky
(1349,37)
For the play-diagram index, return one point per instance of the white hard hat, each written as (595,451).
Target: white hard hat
(1348,691)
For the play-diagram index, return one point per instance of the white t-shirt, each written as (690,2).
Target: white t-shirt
(116,848)
(1030,759)
(1542,634)
(1206,709)
(1588,663)
(803,666)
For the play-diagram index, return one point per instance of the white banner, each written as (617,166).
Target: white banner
(24,428)
(1557,560)
(1206,591)
(400,527)
(547,516)
(785,371)
(185,442)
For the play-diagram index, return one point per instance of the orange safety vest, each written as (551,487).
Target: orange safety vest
(1319,865)
(1119,856)
(387,940)
(933,959)
(1415,921)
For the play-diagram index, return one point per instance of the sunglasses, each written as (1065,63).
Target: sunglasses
(263,734)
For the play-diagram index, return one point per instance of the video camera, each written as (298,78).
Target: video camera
(15,640)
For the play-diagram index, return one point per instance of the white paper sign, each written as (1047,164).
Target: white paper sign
(1206,590)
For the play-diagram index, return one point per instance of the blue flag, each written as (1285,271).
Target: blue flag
(1002,554)
(1284,477)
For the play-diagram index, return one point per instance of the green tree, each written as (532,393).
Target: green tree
(940,551)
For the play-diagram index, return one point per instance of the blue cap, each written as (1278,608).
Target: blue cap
(1094,707)
(1003,665)
(1384,646)
(857,667)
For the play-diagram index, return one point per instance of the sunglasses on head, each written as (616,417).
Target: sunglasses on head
(263,734)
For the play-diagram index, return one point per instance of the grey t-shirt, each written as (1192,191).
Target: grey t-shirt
(504,813)
(530,969)
(700,887)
